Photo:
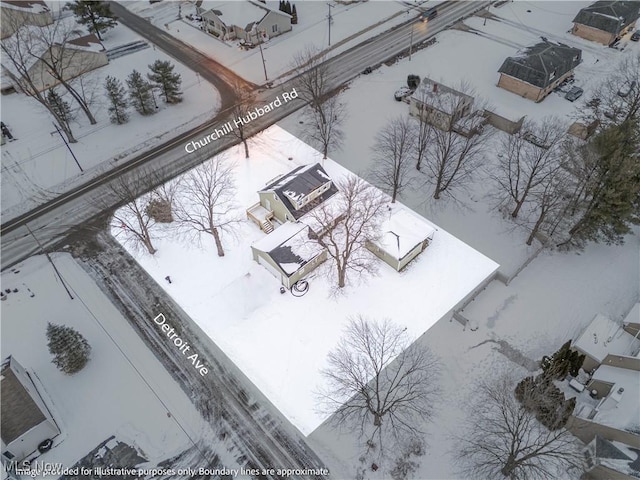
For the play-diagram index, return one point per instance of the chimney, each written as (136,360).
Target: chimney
(435,87)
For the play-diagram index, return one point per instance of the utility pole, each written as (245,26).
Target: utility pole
(264,65)
(330,19)
(50,261)
(68,147)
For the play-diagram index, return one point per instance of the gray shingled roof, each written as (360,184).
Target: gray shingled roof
(536,64)
(606,449)
(609,16)
(302,181)
(18,412)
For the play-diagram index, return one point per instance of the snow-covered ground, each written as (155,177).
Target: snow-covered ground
(38,166)
(352,23)
(123,391)
(281,341)
(552,299)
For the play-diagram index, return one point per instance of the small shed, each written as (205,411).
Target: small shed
(288,253)
(25,419)
(404,235)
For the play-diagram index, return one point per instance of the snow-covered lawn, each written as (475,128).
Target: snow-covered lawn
(38,166)
(549,302)
(281,341)
(123,390)
(352,24)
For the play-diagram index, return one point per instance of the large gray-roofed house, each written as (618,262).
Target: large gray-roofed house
(537,70)
(294,194)
(24,419)
(606,21)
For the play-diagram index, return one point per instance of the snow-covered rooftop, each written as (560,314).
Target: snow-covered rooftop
(621,409)
(402,231)
(31,6)
(603,336)
(278,236)
(440,96)
(240,13)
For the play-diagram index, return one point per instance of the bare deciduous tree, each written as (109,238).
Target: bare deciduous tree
(205,202)
(61,60)
(393,153)
(323,125)
(246,101)
(453,160)
(548,202)
(503,439)
(312,76)
(345,224)
(132,220)
(16,50)
(378,378)
(617,98)
(527,159)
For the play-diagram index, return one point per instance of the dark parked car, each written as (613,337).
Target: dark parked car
(367,70)
(636,36)
(574,94)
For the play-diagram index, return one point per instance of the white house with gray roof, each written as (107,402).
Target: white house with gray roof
(245,20)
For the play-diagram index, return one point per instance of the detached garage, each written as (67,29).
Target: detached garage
(288,253)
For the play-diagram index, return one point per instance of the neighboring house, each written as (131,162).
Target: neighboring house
(539,69)
(245,20)
(608,406)
(605,342)
(25,420)
(404,236)
(606,460)
(606,21)
(15,13)
(76,57)
(288,253)
(439,105)
(290,196)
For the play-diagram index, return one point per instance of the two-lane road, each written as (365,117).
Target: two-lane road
(53,221)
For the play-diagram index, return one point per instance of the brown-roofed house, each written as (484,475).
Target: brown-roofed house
(606,21)
(14,14)
(25,421)
(536,71)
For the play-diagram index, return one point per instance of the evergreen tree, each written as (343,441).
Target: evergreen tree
(59,106)
(69,348)
(540,396)
(140,93)
(281,6)
(116,94)
(609,202)
(166,80)
(95,14)
(294,16)
(287,7)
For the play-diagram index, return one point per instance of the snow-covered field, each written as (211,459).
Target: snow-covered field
(123,390)
(281,341)
(38,166)
(552,299)
(352,23)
